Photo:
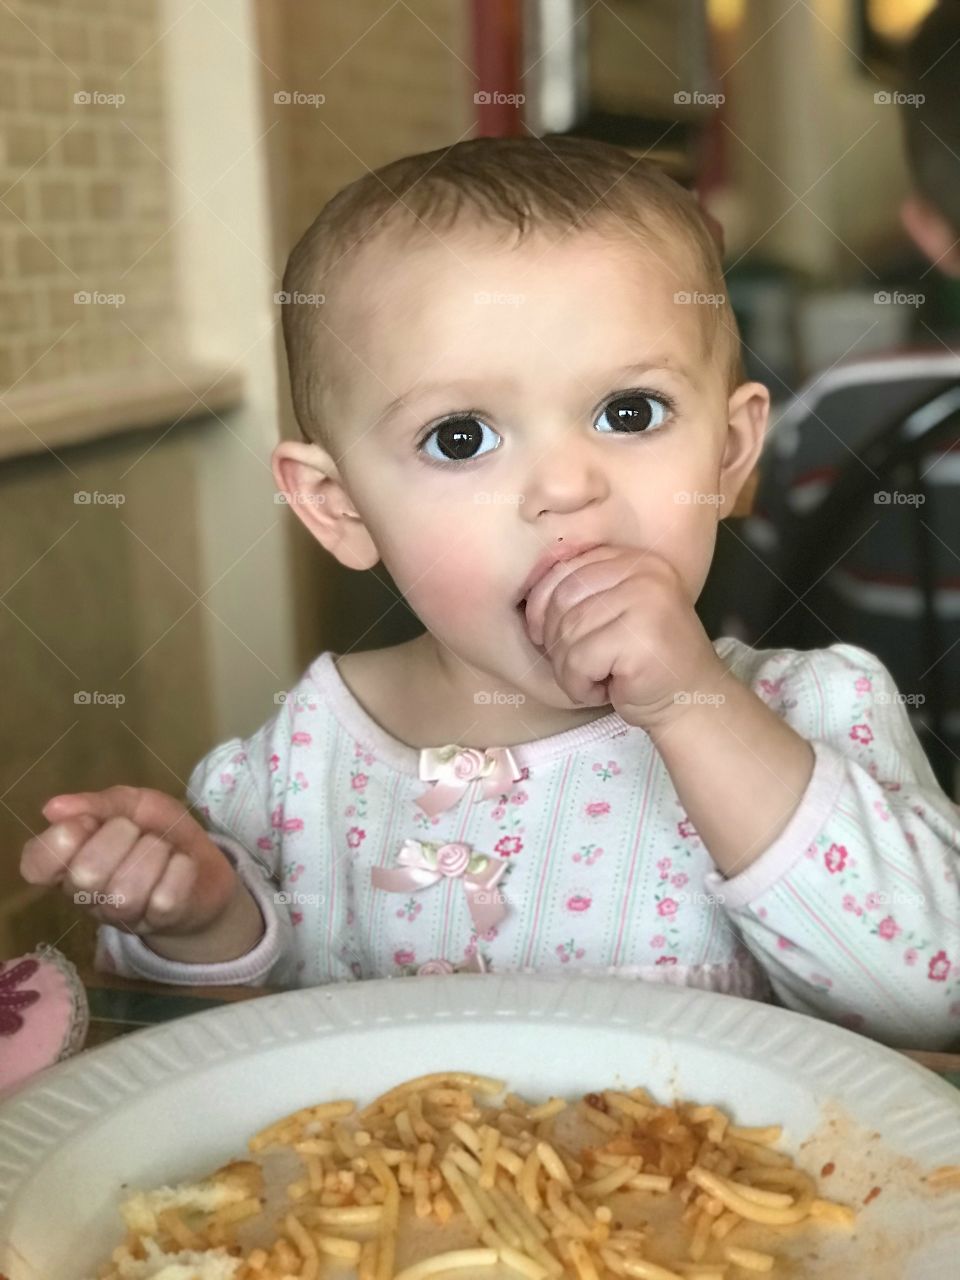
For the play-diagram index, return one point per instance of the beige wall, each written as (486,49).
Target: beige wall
(100,607)
(86,196)
(804,124)
(227,272)
(396,79)
(86,190)
(86,609)
(150,598)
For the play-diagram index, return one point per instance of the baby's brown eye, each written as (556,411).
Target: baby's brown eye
(635,412)
(457,439)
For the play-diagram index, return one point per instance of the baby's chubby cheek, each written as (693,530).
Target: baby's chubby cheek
(451,586)
(452,603)
(692,545)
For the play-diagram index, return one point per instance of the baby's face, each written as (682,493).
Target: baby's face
(544,353)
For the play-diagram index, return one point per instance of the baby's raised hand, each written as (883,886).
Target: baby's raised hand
(617,625)
(134,858)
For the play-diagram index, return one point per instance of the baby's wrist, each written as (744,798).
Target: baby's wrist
(233,933)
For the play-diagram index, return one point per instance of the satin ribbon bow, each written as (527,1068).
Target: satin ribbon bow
(423,863)
(452,769)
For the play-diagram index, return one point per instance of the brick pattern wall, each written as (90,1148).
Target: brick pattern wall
(84,192)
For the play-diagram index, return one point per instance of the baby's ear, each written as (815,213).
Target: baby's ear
(748,412)
(309,482)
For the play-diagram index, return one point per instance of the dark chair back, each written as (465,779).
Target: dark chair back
(818,542)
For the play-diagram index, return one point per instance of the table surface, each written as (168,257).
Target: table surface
(121,1005)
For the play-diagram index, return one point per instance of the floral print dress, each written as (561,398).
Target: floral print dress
(371,859)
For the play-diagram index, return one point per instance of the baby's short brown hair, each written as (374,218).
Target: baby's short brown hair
(517,185)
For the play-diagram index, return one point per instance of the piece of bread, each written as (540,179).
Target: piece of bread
(231,1183)
(186,1264)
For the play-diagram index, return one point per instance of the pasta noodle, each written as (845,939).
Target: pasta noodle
(537,1206)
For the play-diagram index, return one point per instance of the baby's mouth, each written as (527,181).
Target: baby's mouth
(521,609)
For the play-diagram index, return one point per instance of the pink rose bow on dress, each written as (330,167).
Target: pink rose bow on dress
(423,863)
(452,769)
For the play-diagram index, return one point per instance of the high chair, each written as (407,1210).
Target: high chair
(808,578)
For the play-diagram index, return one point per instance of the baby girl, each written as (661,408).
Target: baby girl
(518,382)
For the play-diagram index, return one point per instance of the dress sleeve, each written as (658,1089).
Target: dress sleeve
(854,909)
(227,791)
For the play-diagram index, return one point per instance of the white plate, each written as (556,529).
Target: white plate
(177,1100)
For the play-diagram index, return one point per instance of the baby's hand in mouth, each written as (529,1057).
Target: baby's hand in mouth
(618,626)
(579,587)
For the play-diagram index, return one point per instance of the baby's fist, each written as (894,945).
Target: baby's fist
(134,858)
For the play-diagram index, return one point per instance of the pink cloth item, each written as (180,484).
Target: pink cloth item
(452,769)
(44,1015)
(423,863)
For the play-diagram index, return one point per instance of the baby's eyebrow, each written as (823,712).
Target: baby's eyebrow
(662,366)
(465,386)
(470,387)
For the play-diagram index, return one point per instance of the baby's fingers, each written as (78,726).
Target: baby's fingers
(543,599)
(171,895)
(584,670)
(131,882)
(62,807)
(93,867)
(47,858)
(146,809)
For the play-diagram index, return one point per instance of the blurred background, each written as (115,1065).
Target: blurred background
(161,157)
